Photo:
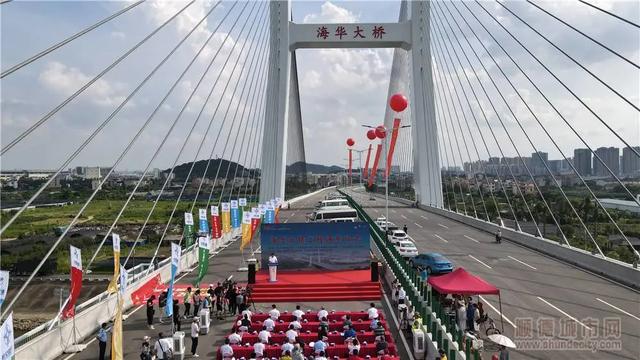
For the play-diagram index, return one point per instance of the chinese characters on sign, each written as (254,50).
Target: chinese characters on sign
(359,32)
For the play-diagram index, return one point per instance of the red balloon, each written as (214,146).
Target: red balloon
(381,132)
(398,102)
(371,134)
(350,142)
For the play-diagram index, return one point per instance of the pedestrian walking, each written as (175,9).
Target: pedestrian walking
(195,332)
(499,237)
(176,315)
(197,302)
(150,311)
(102,340)
(405,229)
(162,302)
(145,350)
(187,302)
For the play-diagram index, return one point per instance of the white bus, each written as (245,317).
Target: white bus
(334,214)
(331,203)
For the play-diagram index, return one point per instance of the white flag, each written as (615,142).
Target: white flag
(176,252)
(234,204)
(246,217)
(277,201)
(4,285)
(188,218)
(116,242)
(202,214)
(204,242)
(243,201)
(7,350)
(76,257)
(123,280)
(225,207)
(214,211)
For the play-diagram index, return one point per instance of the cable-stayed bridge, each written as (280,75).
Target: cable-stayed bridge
(492,89)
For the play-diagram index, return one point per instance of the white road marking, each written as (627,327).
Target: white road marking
(562,312)
(424,217)
(472,239)
(617,308)
(374,209)
(292,214)
(498,312)
(393,211)
(402,216)
(444,226)
(285,221)
(441,238)
(476,259)
(418,225)
(521,262)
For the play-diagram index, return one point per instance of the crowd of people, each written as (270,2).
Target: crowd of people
(293,348)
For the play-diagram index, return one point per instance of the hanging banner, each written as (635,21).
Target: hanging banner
(262,209)
(365,173)
(216,224)
(242,202)
(4,285)
(226,217)
(269,214)
(176,252)
(113,285)
(203,223)
(204,243)
(189,232)
(116,332)
(374,170)
(7,350)
(255,223)
(76,283)
(246,230)
(392,145)
(235,214)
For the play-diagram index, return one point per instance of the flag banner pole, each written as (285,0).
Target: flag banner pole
(392,145)
(365,171)
(374,170)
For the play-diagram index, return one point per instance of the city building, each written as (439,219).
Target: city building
(91,172)
(630,161)
(582,161)
(538,159)
(611,158)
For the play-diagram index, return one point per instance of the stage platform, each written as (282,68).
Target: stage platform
(347,285)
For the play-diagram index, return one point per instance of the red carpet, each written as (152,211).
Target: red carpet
(298,286)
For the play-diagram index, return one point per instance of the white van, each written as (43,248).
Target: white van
(331,203)
(334,214)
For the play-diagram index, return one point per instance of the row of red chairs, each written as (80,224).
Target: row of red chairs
(336,338)
(312,326)
(313,315)
(340,351)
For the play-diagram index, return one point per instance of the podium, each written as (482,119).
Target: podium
(273,271)
(178,345)
(205,321)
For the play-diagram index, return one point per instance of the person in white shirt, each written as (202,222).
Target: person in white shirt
(264,335)
(162,346)
(258,348)
(195,332)
(296,325)
(402,295)
(274,313)
(288,346)
(248,313)
(273,268)
(235,338)
(372,312)
(291,334)
(269,323)
(298,313)
(226,350)
(321,356)
(322,314)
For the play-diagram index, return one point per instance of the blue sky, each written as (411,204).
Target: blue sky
(340,89)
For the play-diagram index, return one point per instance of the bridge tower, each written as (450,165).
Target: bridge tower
(409,37)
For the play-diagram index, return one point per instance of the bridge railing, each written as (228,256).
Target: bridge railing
(442,327)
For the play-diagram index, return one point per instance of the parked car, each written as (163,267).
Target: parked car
(434,263)
(398,235)
(406,248)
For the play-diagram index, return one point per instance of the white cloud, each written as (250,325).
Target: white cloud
(331,13)
(66,80)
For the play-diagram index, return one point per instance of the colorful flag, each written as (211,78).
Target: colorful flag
(365,171)
(255,222)
(113,284)
(4,285)
(269,214)
(203,224)
(392,145)
(189,233)
(76,283)
(7,350)
(204,243)
(374,170)
(262,209)
(116,332)
(176,252)
(235,214)
(226,217)
(216,225)
(246,230)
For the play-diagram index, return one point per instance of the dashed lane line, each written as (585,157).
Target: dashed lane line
(418,225)
(617,308)
(476,259)
(444,226)
(521,262)
(424,217)
(498,312)
(472,239)
(441,238)
(563,313)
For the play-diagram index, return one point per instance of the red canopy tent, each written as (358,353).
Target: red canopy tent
(462,282)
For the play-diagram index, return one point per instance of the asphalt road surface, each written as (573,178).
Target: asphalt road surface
(554,300)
